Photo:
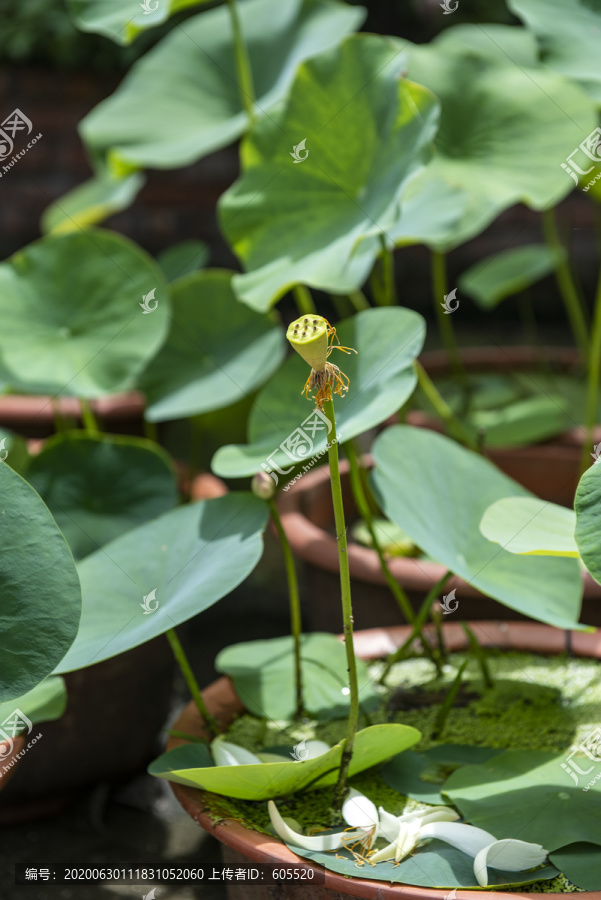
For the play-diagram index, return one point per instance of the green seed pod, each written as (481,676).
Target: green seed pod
(309,337)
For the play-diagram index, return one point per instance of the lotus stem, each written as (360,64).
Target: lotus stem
(593,375)
(442,408)
(186,670)
(304,300)
(445,709)
(359,300)
(420,621)
(88,417)
(347,608)
(243,66)
(365,512)
(566,284)
(447,333)
(295,610)
(480,655)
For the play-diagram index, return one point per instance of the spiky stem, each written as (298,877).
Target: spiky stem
(593,376)
(243,67)
(566,284)
(295,610)
(347,608)
(186,670)
(447,333)
(304,300)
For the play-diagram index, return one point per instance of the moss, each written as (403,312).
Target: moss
(536,703)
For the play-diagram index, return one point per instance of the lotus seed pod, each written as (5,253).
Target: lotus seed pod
(309,337)
(263,486)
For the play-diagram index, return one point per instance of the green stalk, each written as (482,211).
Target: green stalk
(480,655)
(442,408)
(566,284)
(60,423)
(359,300)
(445,709)
(243,67)
(88,418)
(304,300)
(420,621)
(365,512)
(186,670)
(150,431)
(295,610)
(593,375)
(347,608)
(447,333)
(388,276)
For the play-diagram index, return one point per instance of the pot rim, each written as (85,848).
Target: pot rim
(23,408)
(314,545)
(18,744)
(222,700)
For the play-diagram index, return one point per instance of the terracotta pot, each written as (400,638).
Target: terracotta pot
(109,731)
(33,416)
(9,759)
(240,844)
(308,518)
(551,469)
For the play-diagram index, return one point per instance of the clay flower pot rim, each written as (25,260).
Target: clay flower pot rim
(18,745)
(374,643)
(314,545)
(23,408)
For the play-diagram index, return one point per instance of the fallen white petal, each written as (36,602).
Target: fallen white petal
(226,754)
(408,837)
(306,842)
(389,825)
(315,749)
(358,811)
(467,838)
(509,855)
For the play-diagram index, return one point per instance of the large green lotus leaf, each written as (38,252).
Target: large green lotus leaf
(526,794)
(163,573)
(587,506)
(97,488)
(13,450)
(381,379)
(405,772)
(182,100)
(503,43)
(581,864)
(71,319)
(41,597)
(568,36)
(262,782)
(435,865)
(218,350)
(526,525)
(320,221)
(263,675)
(91,202)
(123,20)
(44,703)
(182,259)
(431,209)
(495,156)
(438,491)
(503,274)
(524,421)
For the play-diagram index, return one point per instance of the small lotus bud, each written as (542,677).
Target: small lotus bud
(309,337)
(263,486)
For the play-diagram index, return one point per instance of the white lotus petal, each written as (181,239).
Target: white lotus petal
(358,811)
(315,749)
(447,814)
(467,838)
(408,837)
(508,854)
(389,826)
(306,842)
(272,758)
(388,852)
(227,754)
